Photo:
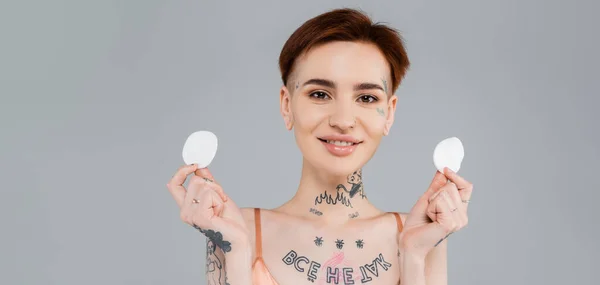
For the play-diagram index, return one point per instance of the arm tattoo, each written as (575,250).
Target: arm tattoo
(216,238)
(214,265)
(442,239)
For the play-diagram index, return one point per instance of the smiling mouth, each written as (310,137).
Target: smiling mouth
(339,143)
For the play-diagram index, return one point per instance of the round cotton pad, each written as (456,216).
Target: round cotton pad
(448,153)
(200,148)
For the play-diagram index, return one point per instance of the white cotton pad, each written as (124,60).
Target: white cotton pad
(448,153)
(200,148)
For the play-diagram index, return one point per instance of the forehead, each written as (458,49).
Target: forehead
(343,62)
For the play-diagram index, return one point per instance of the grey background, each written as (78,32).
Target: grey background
(99,96)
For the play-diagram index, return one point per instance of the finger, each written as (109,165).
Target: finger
(454,195)
(209,210)
(194,189)
(465,188)
(439,180)
(210,181)
(460,182)
(201,213)
(189,207)
(436,194)
(175,185)
(439,209)
(211,184)
(204,172)
(455,211)
(460,215)
(440,212)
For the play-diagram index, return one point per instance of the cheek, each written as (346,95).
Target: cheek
(307,118)
(373,121)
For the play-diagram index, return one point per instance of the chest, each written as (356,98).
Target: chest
(361,257)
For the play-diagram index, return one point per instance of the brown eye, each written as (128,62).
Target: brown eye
(319,95)
(367,99)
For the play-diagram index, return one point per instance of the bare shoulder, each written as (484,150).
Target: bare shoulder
(248,215)
(403,217)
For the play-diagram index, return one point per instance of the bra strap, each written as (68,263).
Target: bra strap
(258,232)
(398,221)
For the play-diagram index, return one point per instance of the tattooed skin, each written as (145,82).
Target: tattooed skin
(319,241)
(360,243)
(353,215)
(216,238)
(339,243)
(385,85)
(354,179)
(214,265)
(440,241)
(336,270)
(316,212)
(340,197)
(381,112)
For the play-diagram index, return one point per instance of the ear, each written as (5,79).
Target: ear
(285,107)
(389,121)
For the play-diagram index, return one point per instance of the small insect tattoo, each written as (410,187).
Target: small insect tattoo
(339,243)
(319,241)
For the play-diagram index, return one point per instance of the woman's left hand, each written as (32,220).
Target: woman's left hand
(441,211)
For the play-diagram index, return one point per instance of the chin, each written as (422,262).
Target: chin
(341,169)
(338,166)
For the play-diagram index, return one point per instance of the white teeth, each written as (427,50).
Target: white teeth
(340,143)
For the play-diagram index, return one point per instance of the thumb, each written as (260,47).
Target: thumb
(438,181)
(205,173)
(420,207)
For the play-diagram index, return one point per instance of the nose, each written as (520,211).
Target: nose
(342,116)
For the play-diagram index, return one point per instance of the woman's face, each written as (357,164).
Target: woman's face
(339,105)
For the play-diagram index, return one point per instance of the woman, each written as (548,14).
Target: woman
(340,72)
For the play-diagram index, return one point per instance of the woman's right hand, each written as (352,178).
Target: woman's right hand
(205,206)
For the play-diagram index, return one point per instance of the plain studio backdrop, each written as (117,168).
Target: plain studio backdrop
(98,98)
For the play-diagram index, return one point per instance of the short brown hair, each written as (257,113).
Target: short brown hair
(345,25)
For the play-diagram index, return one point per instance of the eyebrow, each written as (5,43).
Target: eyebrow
(331,84)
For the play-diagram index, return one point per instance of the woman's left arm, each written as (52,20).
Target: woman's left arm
(431,270)
(436,265)
(423,244)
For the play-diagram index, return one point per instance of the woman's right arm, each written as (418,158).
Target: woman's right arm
(205,206)
(231,268)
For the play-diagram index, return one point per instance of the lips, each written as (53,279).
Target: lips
(340,147)
(338,142)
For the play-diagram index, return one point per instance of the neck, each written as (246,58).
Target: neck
(333,199)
